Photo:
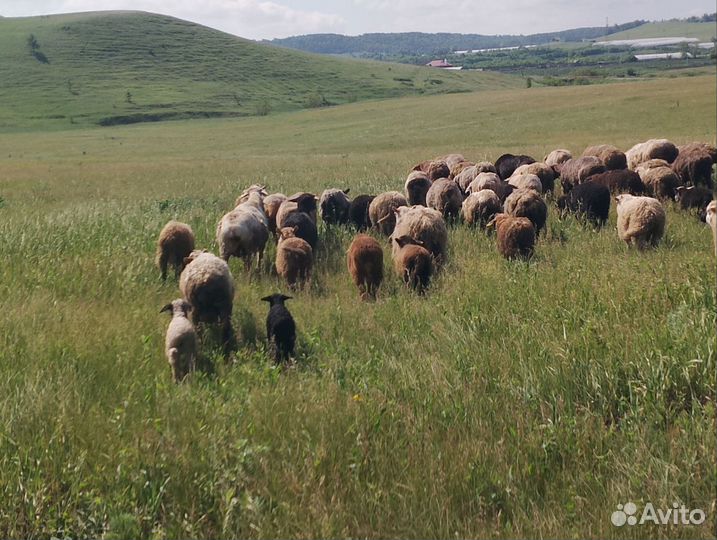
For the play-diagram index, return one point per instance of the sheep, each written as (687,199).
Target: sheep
(526,181)
(711,219)
(334,205)
(438,169)
(693,197)
(294,257)
(619,181)
(480,207)
(452,160)
(654,148)
(271,208)
(207,284)
(280,328)
(175,243)
(590,200)
(576,170)
(180,344)
(413,263)
(485,166)
(640,220)
(490,181)
(544,172)
(506,164)
(610,156)
(660,181)
(417,185)
(704,147)
(446,197)
(304,228)
(556,159)
(694,166)
(425,225)
(382,208)
(527,203)
(465,177)
(515,236)
(458,168)
(243,232)
(358,212)
(364,259)
(299,202)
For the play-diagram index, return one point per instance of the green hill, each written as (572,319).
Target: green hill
(123,67)
(703,31)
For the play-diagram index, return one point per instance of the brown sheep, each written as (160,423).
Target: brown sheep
(544,172)
(175,243)
(438,169)
(576,170)
(652,149)
(515,236)
(459,168)
(271,208)
(413,263)
(446,197)
(529,204)
(364,259)
(610,156)
(417,185)
(661,182)
(694,166)
(294,258)
(705,147)
(465,177)
(526,181)
(382,210)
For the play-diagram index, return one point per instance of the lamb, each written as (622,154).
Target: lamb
(425,225)
(294,258)
(694,166)
(506,164)
(207,284)
(529,204)
(610,156)
(526,181)
(280,328)
(417,185)
(556,159)
(577,170)
(303,227)
(619,181)
(446,197)
(711,219)
(364,259)
(654,148)
(271,208)
(590,200)
(358,212)
(180,344)
(693,197)
(298,202)
(175,243)
(640,220)
(382,208)
(334,205)
(544,172)
(515,236)
(480,207)
(660,181)
(243,232)
(413,263)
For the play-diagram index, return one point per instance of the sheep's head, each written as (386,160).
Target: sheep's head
(619,199)
(406,240)
(193,255)
(681,190)
(254,188)
(711,213)
(288,232)
(178,307)
(305,202)
(276,299)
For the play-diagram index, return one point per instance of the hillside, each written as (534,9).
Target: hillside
(419,43)
(123,67)
(703,31)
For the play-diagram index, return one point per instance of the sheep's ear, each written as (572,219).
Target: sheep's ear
(168,307)
(295,228)
(690,188)
(284,297)
(401,241)
(266,299)
(346,191)
(316,198)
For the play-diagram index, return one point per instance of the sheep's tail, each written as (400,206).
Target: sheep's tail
(173,356)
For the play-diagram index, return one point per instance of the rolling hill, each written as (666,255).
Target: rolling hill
(703,31)
(112,68)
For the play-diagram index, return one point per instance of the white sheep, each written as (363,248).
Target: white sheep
(640,220)
(180,344)
(243,232)
(425,225)
(480,207)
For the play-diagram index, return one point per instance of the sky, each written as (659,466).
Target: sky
(266,19)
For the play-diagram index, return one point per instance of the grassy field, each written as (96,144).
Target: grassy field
(704,31)
(514,400)
(122,67)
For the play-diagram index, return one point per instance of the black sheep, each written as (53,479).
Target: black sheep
(620,181)
(588,199)
(280,327)
(358,212)
(694,197)
(507,163)
(305,227)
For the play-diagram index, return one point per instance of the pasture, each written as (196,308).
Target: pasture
(513,400)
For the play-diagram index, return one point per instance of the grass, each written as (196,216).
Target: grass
(125,67)
(704,31)
(515,400)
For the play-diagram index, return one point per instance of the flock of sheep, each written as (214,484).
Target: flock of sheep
(509,195)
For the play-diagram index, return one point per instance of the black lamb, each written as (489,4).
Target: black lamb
(280,327)
(590,200)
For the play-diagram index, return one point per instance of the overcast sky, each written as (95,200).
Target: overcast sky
(259,19)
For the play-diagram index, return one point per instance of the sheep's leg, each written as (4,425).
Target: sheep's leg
(229,339)
(260,259)
(163,266)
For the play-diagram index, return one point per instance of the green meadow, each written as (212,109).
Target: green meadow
(513,400)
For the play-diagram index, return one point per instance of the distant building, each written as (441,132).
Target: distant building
(647,42)
(662,56)
(443,64)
